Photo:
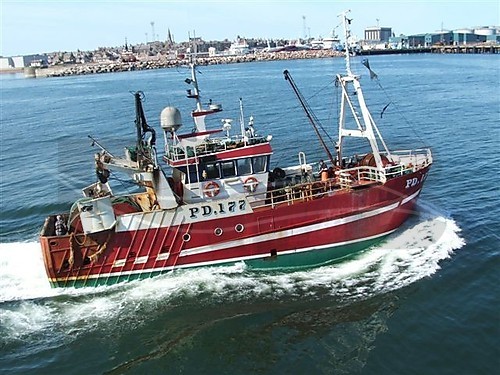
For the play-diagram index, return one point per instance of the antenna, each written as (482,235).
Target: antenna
(304,27)
(347,35)
(153,30)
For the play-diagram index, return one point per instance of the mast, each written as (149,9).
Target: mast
(194,82)
(144,147)
(194,93)
(347,35)
(365,123)
(242,121)
(199,113)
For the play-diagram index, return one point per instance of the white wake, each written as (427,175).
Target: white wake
(29,305)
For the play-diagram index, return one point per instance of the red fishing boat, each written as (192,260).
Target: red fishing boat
(220,202)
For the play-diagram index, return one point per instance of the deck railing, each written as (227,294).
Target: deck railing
(211,146)
(408,161)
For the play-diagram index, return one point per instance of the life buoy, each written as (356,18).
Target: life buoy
(250,184)
(211,189)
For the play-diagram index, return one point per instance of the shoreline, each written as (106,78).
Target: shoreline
(161,63)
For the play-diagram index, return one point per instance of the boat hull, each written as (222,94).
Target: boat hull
(288,235)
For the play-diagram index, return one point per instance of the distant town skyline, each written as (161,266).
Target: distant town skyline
(30,27)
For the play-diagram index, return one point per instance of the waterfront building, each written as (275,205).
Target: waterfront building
(430,39)
(378,34)
(398,42)
(455,37)
(27,60)
(467,36)
(491,33)
(6,63)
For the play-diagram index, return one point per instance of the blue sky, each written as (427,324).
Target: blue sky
(45,26)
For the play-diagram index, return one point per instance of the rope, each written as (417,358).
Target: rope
(100,249)
(71,259)
(78,242)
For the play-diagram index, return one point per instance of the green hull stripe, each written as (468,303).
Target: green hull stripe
(290,261)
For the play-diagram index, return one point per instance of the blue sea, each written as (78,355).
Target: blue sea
(424,301)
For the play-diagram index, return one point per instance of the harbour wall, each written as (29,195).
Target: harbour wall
(162,62)
(159,63)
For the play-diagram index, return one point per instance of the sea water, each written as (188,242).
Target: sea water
(425,300)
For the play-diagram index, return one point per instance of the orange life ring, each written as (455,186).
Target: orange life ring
(250,184)
(211,189)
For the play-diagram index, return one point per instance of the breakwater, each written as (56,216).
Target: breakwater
(162,62)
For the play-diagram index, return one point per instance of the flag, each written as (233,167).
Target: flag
(366,63)
(383,110)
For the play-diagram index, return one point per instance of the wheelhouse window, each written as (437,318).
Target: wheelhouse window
(212,171)
(193,174)
(228,168)
(259,164)
(231,168)
(244,166)
(190,174)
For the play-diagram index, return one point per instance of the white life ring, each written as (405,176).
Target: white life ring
(211,189)
(250,184)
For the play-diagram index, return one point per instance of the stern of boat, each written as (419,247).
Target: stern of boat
(55,249)
(67,257)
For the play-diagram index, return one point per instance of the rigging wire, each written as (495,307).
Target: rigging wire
(400,112)
(322,90)
(124,183)
(310,114)
(313,115)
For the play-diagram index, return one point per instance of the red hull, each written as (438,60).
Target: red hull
(338,218)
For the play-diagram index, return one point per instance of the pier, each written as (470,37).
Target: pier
(467,48)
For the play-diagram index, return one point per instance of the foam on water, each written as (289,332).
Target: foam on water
(28,305)
(22,273)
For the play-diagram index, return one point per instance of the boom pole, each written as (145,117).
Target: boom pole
(309,114)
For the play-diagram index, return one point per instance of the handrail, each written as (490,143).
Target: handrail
(211,146)
(408,151)
(345,179)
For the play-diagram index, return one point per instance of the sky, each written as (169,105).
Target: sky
(38,26)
